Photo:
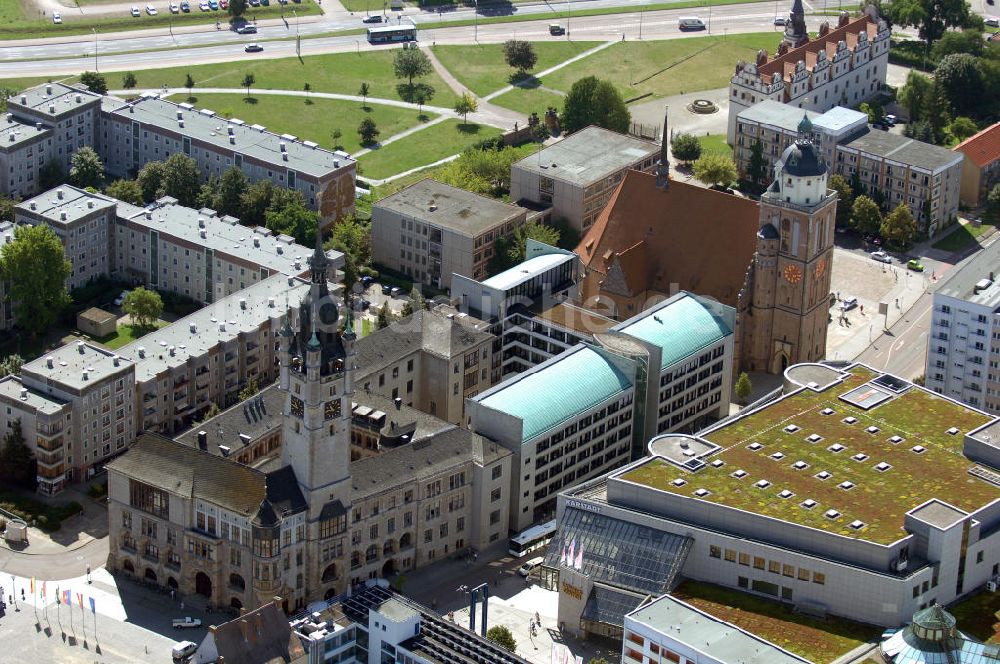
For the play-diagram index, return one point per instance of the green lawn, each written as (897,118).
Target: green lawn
(962,236)
(657,68)
(979,616)
(126,334)
(18,25)
(340,73)
(424,147)
(532,100)
(715,143)
(35,512)
(818,640)
(482,69)
(315,121)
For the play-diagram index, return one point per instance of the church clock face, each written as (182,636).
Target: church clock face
(297,408)
(792,274)
(331,409)
(820,268)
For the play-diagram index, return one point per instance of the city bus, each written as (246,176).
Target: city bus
(387,34)
(532,539)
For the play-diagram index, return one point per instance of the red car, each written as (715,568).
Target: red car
(224,4)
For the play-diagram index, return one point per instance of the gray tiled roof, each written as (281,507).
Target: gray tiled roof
(254,417)
(261,636)
(904,150)
(42,98)
(163,463)
(588,155)
(411,462)
(445,206)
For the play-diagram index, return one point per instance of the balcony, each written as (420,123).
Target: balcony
(49,430)
(49,458)
(49,445)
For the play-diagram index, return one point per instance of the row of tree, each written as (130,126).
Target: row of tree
(864,211)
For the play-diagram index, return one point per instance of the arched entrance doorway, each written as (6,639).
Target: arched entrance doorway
(389,568)
(203,584)
(236,603)
(780,363)
(172,582)
(150,575)
(330,593)
(128,567)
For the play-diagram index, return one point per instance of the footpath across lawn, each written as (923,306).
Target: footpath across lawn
(423,147)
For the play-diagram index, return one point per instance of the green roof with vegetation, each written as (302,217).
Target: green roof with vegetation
(926,463)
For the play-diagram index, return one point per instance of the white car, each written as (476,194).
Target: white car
(203,6)
(780,20)
(174,8)
(121,298)
(992,21)
(56,17)
(151,10)
(179,623)
(135,11)
(881,256)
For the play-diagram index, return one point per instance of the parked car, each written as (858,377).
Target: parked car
(395,291)
(254,3)
(992,21)
(56,17)
(253,48)
(135,11)
(848,303)
(223,4)
(174,8)
(367,280)
(386,289)
(374,18)
(526,569)
(185,6)
(890,120)
(203,6)
(214,4)
(881,256)
(183,650)
(121,298)
(556,29)
(915,265)
(178,623)
(151,10)
(780,20)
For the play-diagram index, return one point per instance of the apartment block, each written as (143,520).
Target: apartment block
(841,66)
(963,346)
(980,164)
(430,231)
(576,176)
(891,167)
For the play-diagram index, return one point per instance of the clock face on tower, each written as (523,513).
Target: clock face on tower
(792,274)
(820,268)
(297,408)
(331,409)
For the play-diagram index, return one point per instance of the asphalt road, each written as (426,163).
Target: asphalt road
(902,350)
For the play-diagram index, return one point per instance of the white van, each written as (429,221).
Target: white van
(183,649)
(690,23)
(527,568)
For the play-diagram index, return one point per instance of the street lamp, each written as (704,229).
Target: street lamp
(476,18)
(569,15)
(642,12)
(95,49)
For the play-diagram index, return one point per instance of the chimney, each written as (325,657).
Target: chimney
(202,233)
(79,98)
(24,99)
(194,328)
(48,89)
(180,114)
(115,360)
(32,205)
(232,140)
(49,362)
(243,303)
(59,194)
(142,351)
(180,123)
(79,346)
(256,241)
(284,156)
(24,394)
(52,109)
(398,402)
(172,350)
(90,205)
(62,216)
(270,302)
(663,166)
(201,222)
(202,440)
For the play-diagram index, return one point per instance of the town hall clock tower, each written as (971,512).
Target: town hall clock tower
(786,300)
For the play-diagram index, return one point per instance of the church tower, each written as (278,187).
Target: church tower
(789,281)
(795,29)
(316,373)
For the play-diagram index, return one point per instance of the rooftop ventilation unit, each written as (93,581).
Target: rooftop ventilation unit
(202,233)
(232,140)
(62,216)
(282,146)
(24,99)
(284,156)
(59,194)
(180,123)
(142,351)
(24,394)
(52,109)
(243,303)
(180,114)
(32,205)
(982,285)
(194,328)
(201,222)
(49,361)
(270,302)
(48,89)
(79,98)
(79,346)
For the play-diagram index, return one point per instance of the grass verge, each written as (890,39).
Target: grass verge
(315,121)
(979,616)
(46,517)
(126,334)
(715,144)
(818,640)
(963,236)
(422,148)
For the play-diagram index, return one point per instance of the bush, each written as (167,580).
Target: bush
(910,53)
(97,490)
(46,517)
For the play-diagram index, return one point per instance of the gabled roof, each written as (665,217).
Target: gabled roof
(784,65)
(983,148)
(176,468)
(261,636)
(698,239)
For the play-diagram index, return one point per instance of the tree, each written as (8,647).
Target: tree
(912,94)
(384,317)
(866,216)
(899,227)
(936,111)
(715,169)
(17,463)
(368,131)
(237,8)
(232,186)
(212,411)
(466,104)
(150,180)
(363,92)
(685,147)
(128,80)
(509,251)
(36,269)
(95,82)
(208,193)
(306,87)
(421,96)
(520,55)
(248,81)
(294,219)
(743,387)
(845,198)
(598,660)
(336,135)
(592,101)
(189,84)
(126,190)
(86,169)
(962,128)
(51,174)
(352,237)
(411,63)
(757,166)
(962,79)
(964,41)
(7,208)
(501,635)
(250,390)
(143,306)
(993,204)
(181,178)
(11,365)
(254,203)
(931,17)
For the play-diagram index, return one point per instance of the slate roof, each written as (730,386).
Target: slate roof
(163,463)
(254,417)
(283,492)
(694,238)
(261,636)
(983,148)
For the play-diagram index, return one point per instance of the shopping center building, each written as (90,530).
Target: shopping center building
(853,493)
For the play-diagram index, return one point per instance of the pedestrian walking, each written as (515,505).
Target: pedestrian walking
(171,594)
(182,605)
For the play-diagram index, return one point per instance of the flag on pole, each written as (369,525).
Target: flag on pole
(562,555)
(32,586)
(68,598)
(578,564)
(43,590)
(93,606)
(555,654)
(572,556)
(58,596)
(79,600)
